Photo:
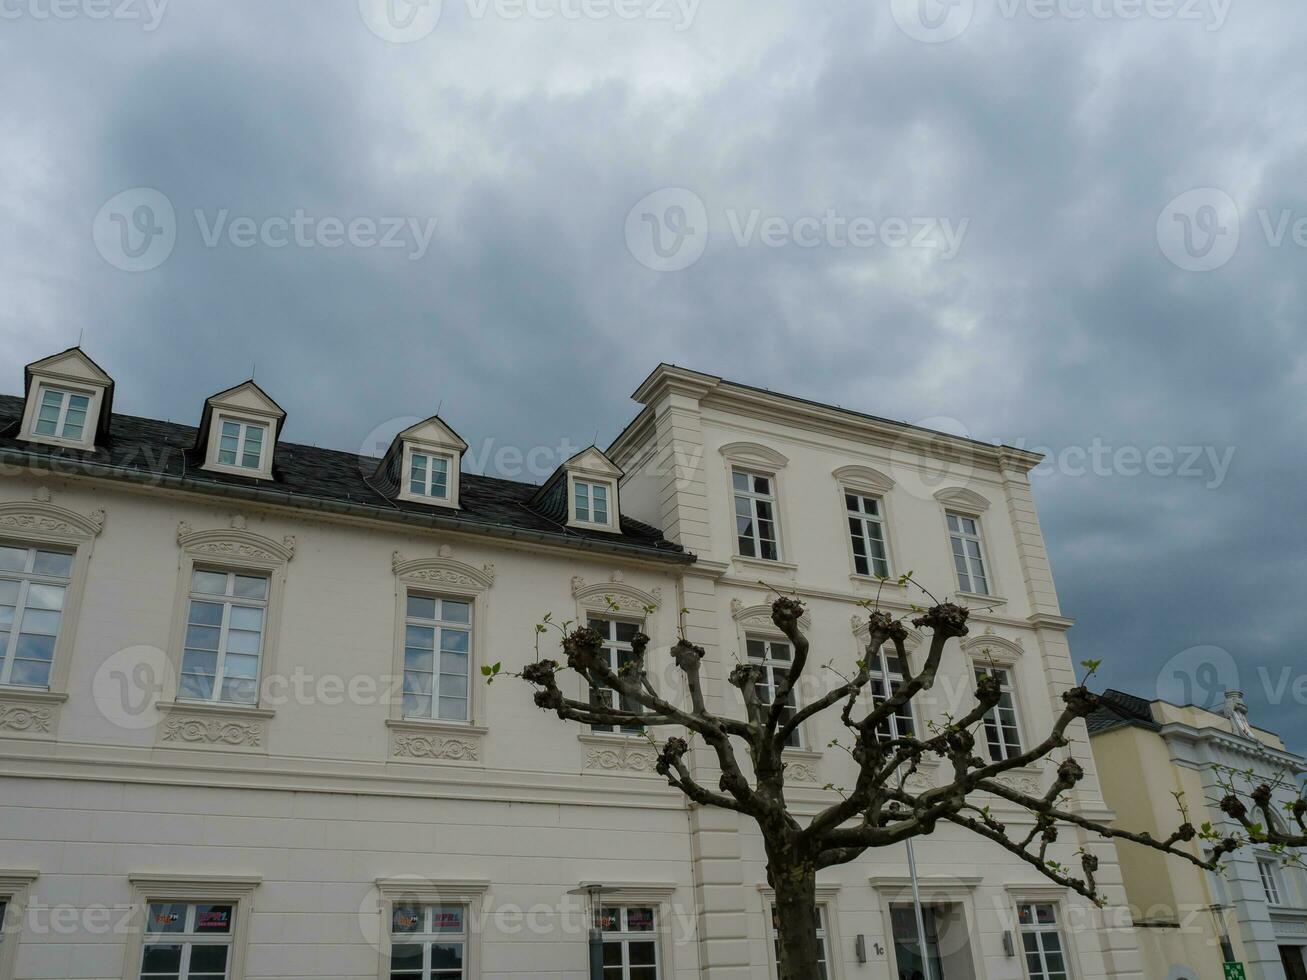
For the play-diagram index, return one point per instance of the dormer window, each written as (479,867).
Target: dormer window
(238,432)
(69,401)
(62,413)
(423,464)
(583,493)
(428,475)
(241,444)
(590,502)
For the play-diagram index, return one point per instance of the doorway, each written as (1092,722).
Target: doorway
(948,943)
(1295,968)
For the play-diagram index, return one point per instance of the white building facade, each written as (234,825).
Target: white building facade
(244,731)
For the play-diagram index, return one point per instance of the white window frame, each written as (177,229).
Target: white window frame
(827,905)
(49,526)
(623,936)
(574,518)
(244,444)
(66,395)
(235,890)
(753,498)
(655,895)
(880,520)
(439,625)
(411,456)
(246,420)
(613,649)
(966,585)
(428,936)
(26,578)
(188,938)
(1273,884)
(31,414)
(228,600)
(14,886)
(770,665)
(1009,686)
(823,941)
(1057,930)
(428,891)
(212,550)
(878,668)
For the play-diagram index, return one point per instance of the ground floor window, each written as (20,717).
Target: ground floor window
(187,941)
(428,942)
(630,936)
(823,941)
(1041,941)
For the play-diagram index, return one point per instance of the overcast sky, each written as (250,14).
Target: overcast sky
(975,217)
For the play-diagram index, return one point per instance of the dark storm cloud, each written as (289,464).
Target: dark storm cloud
(1059,323)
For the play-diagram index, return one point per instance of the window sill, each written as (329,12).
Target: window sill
(873,582)
(246,471)
(83,445)
(745,562)
(429,740)
(41,695)
(216,708)
(979,599)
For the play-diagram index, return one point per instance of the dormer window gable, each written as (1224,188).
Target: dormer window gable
(423,464)
(239,430)
(69,401)
(584,492)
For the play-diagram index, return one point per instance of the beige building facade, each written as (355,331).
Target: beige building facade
(1153,755)
(244,731)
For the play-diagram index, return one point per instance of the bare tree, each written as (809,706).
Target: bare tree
(1260,817)
(878,810)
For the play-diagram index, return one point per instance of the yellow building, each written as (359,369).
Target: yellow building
(1190,923)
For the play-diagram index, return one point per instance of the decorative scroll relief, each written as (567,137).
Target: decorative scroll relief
(603,596)
(618,758)
(436,748)
(1026,783)
(1290,928)
(802,772)
(26,719)
(759,617)
(223,732)
(990,647)
(235,542)
(444,570)
(43,517)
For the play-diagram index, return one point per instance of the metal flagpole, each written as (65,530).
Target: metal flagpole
(921,919)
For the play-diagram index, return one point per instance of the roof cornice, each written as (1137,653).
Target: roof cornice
(714,392)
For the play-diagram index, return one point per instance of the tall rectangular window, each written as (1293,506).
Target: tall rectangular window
(775,658)
(437,657)
(1041,941)
(886,672)
(62,414)
(617,635)
(428,476)
(1271,883)
(630,938)
(1002,729)
(590,501)
(428,942)
(187,941)
(241,444)
(823,941)
(224,636)
(33,589)
(755,515)
(964,535)
(868,533)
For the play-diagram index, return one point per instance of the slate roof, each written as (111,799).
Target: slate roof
(1120,709)
(148,451)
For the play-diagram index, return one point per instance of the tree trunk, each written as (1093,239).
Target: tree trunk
(796,921)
